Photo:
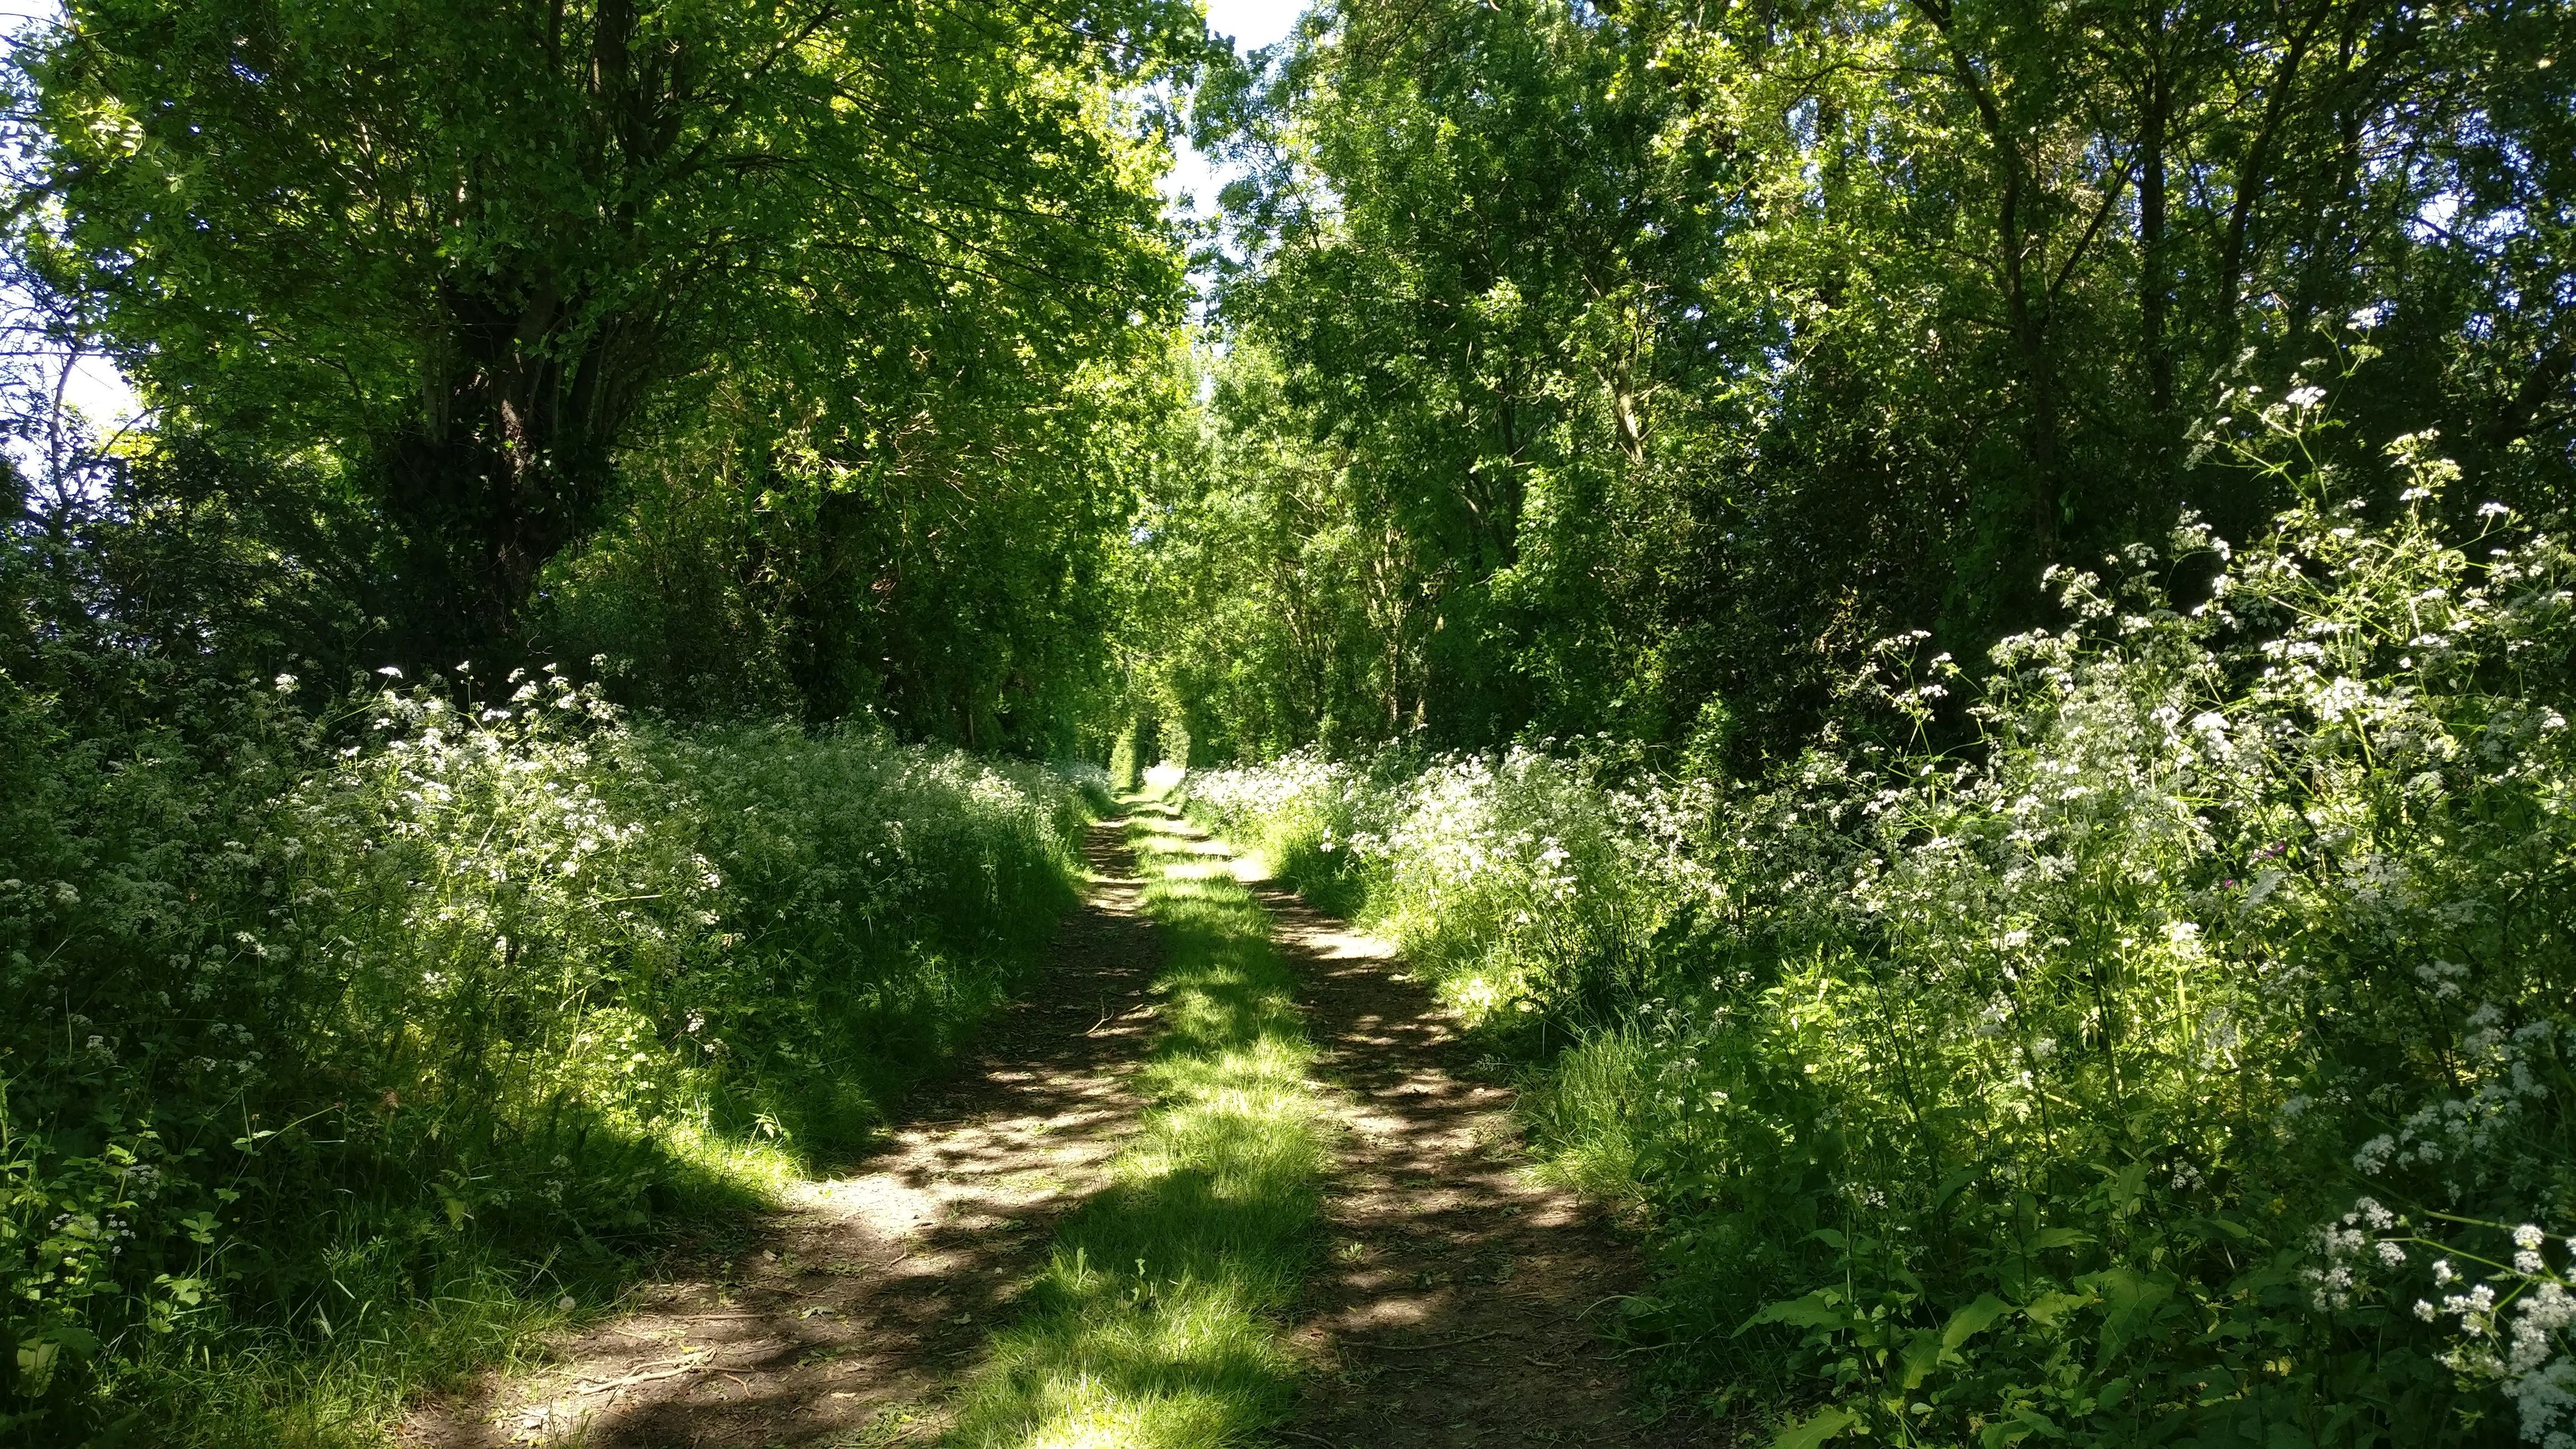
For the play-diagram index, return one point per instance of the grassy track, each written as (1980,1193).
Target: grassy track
(1157,1321)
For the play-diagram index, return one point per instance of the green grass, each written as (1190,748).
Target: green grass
(1581,1111)
(401,1316)
(269,1389)
(1157,1322)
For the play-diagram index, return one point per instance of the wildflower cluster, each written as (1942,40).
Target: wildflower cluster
(2034,1083)
(2514,1331)
(2492,1292)
(431,971)
(1514,875)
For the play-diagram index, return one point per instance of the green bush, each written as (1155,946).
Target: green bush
(312,1023)
(2182,1058)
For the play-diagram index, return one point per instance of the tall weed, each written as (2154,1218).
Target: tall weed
(2184,1059)
(323,1034)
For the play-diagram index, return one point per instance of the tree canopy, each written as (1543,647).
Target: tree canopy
(465,259)
(1681,351)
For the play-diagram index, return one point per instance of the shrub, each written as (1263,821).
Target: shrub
(306,1017)
(2185,1057)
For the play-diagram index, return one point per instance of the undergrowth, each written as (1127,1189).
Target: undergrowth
(2180,1054)
(1156,1322)
(344,1048)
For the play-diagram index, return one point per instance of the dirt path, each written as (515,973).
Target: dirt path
(846,1322)
(1450,1307)
(1454,1304)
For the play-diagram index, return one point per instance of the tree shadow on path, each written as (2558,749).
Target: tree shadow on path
(848,1319)
(1459,1298)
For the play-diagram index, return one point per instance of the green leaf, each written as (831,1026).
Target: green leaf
(2133,1299)
(2227,1225)
(1972,1320)
(2025,1422)
(2047,1308)
(1922,1354)
(2128,1187)
(36,1365)
(79,1342)
(1812,1432)
(1820,1309)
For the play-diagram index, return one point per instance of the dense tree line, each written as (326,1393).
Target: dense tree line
(780,356)
(1636,366)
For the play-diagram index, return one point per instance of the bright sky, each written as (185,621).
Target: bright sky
(1253,24)
(96,389)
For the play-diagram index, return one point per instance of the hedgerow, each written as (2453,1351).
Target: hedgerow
(337,1034)
(2181,1056)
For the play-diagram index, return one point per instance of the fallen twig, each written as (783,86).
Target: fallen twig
(686,1365)
(1418,1347)
(1146,1007)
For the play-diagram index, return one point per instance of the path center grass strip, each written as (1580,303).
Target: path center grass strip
(1158,1320)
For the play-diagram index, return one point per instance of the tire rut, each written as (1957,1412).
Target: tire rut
(1458,1295)
(863,1297)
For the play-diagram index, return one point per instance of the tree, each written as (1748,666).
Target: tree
(1690,349)
(463,255)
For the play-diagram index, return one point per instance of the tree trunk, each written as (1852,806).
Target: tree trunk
(2155,279)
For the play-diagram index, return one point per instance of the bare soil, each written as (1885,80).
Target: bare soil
(1455,1303)
(1459,1299)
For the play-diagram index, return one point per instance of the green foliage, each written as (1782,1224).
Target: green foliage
(2186,1059)
(964,588)
(1122,768)
(313,1018)
(465,257)
(1601,362)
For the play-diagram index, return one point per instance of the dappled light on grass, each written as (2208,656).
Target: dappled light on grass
(2185,1062)
(1156,1322)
